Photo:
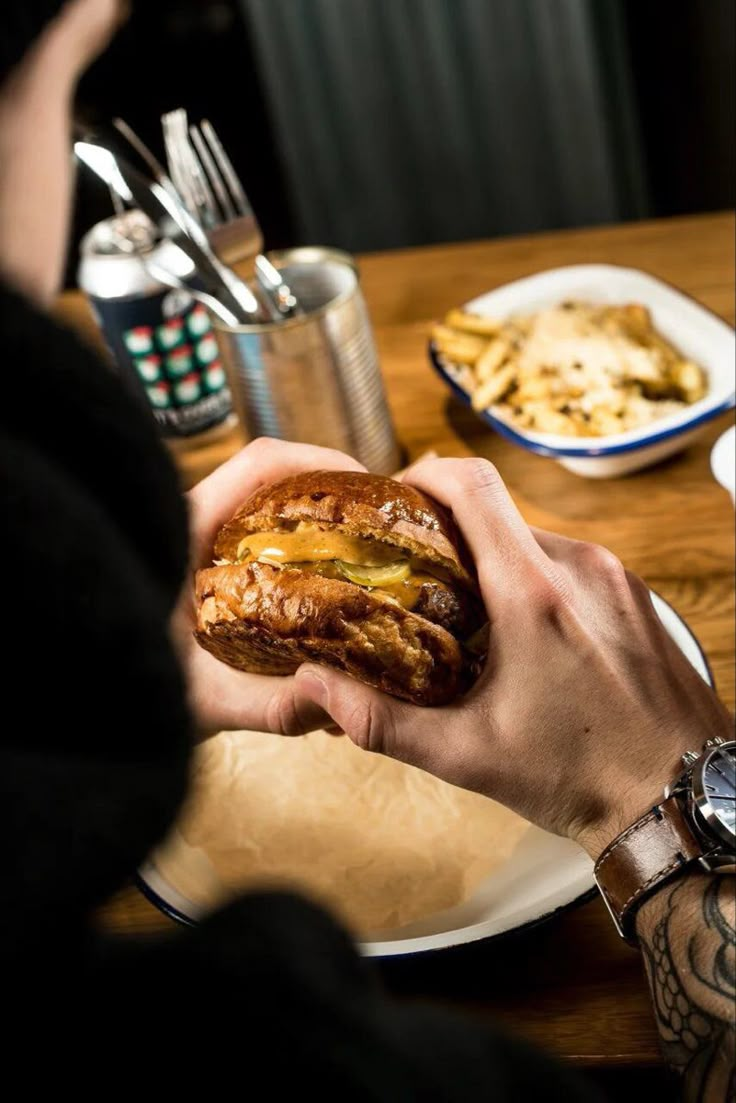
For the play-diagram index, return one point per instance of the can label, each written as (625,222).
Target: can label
(165,343)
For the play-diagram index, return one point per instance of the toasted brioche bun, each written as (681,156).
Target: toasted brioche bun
(358,504)
(267,619)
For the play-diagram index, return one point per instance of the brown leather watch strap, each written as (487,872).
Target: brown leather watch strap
(648,853)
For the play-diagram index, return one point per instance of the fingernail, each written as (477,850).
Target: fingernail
(313,686)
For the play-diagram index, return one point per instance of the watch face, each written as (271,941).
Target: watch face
(715,791)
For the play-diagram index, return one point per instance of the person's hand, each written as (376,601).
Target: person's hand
(83,29)
(585,703)
(35,164)
(222,698)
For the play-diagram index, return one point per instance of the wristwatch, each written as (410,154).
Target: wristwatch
(695,824)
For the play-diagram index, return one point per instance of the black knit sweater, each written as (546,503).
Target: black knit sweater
(93,766)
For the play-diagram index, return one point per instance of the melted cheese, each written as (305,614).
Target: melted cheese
(316,550)
(311,544)
(407,592)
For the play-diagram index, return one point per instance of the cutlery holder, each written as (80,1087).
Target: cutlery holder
(314,378)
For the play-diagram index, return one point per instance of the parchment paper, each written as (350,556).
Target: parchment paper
(380,843)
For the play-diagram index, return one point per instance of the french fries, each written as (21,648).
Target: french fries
(472,323)
(494,388)
(575,370)
(495,354)
(457,346)
(688,377)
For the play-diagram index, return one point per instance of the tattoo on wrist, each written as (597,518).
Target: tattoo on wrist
(689,947)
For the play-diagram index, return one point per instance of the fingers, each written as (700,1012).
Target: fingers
(590,566)
(371,719)
(512,566)
(223,699)
(216,498)
(406,472)
(604,591)
(289,712)
(88,26)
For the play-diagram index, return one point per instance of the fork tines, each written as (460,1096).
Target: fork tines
(226,168)
(202,171)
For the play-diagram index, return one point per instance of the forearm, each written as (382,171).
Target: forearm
(35,178)
(687,933)
(35,149)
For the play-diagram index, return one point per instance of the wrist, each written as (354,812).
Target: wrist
(625,799)
(595,837)
(625,794)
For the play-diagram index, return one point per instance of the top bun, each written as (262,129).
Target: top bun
(356,503)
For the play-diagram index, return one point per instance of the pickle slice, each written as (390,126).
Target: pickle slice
(388,575)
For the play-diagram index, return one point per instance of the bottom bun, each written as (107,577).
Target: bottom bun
(267,620)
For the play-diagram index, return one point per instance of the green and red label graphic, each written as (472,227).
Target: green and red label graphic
(168,342)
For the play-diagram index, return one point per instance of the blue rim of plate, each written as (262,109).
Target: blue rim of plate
(185,920)
(505,430)
(161,903)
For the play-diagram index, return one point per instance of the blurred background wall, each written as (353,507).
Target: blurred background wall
(371,124)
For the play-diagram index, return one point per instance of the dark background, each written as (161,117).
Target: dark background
(372,124)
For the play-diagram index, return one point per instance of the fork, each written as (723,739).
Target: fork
(213,193)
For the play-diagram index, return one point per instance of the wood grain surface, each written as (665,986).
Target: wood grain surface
(569,985)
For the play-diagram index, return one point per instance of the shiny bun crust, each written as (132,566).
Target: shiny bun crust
(268,620)
(356,503)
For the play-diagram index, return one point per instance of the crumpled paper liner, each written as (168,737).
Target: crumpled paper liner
(381,844)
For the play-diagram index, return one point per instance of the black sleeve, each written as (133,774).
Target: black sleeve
(268,998)
(95,734)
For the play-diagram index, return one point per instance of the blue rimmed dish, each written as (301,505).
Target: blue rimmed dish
(698,333)
(544,875)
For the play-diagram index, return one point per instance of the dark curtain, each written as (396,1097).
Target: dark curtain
(407,121)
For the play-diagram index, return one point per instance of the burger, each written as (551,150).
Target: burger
(349,570)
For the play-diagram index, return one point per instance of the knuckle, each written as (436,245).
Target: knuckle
(480,476)
(282,715)
(340,459)
(263,445)
(603,562)
(546,596)
(428,469)
(366,725)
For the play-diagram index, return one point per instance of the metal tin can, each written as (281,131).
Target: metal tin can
(314,378)
(161,340)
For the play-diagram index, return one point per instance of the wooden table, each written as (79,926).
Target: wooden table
(570,985)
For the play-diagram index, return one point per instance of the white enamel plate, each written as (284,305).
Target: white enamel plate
(545,875)
(695,331)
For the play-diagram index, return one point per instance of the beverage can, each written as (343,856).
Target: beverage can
(161,340)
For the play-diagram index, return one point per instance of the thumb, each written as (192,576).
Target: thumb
(371,719)
(290,712)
